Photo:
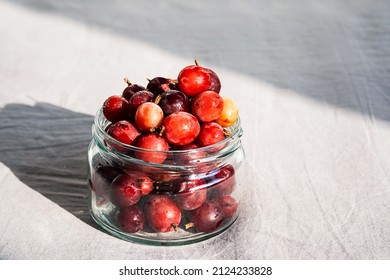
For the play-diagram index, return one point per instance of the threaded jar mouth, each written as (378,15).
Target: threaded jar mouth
(175,159)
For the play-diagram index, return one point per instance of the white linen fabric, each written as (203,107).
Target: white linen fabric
(311,79)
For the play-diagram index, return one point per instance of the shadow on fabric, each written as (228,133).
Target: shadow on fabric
(331,51)
(45,146)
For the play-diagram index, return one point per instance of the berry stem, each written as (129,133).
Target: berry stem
(161,130)
(227,133)
(158,98)
(189,225)
(127,81)
(196,62)
(175,227)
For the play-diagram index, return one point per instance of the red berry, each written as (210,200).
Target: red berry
(174,101)
(125,191)
(192,194)
(149,116)
(145,183)
(123,131)
(137,99)
(193,80)
(159,85)
(215,83)
(157,145)
(210,133)
(208,217)
(115,108)
(229,205)
(207,106)
(129,91)
(162,213)
(226,180)
(181,128)
(130,219)
(191,156)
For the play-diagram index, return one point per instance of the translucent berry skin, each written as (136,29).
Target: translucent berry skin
(159,85)
(125,191)
(191,195)
(207,106)
(137,99)
(215,83)
(130,219)
(124,131)
(149,116)
(115,108)
(210,133)
(193,80)
(146,184)
(130,90)
(158,146)
(181,128)
(229,113)
(208,217)
(174,101)
(162,213)
(229,205)
(144,181)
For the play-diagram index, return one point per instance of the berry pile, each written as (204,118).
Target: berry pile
(183,114)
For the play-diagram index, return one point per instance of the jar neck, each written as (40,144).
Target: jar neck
(218,153)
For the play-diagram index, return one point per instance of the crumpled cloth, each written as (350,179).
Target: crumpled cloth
(311,80)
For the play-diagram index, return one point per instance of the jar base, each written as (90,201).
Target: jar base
(174,238)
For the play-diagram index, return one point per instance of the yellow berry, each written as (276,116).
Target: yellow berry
(229,113)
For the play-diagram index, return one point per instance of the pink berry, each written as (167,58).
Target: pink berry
(148,116)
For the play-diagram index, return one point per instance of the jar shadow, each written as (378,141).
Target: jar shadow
(45,146)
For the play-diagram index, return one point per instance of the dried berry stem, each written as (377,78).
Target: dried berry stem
(175,227)
(127,81)
(189,225)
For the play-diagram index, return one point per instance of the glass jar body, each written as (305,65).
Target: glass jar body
(191,196)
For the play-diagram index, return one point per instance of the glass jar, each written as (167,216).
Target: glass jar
(191,196)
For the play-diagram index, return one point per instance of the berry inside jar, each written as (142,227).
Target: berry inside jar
(164,160)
